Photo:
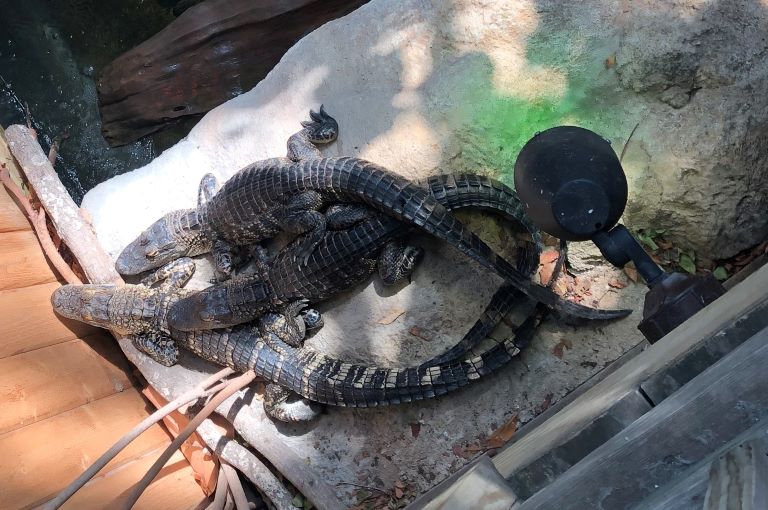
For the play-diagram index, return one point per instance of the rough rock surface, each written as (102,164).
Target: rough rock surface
(428,85)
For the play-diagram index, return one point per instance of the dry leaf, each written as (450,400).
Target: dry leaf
(664,245)
(416,331)
(616,283)
(545,273)
(466,451)
(631,273)
(390,317)
(557,350)
(400,484)
(503,434)
(548,256)
(415,429)
(610,61)
(398,492)
(544,405)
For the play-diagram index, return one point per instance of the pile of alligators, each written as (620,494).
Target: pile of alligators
(350,218)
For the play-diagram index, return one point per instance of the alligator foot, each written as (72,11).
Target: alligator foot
(159,347)
(288,326)
(344,216)
(173,275)
(321,129)
(223,255)
(285,405)
(398,261)
(313,321)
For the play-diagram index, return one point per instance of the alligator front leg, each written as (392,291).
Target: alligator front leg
(321,129)
(287,406)
(173,275)
(158,346)
(397,261)
(223,256)
(209,185)
(301,216)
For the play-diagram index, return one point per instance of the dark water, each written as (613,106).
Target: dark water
(51,53)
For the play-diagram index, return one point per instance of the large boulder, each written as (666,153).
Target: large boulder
(434,85)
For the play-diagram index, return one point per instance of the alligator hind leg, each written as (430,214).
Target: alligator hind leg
(397,261)
(344,216)
(321,129)
(287,406)
(173,275)
(158,346)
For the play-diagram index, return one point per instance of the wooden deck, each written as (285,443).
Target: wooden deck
(67,394)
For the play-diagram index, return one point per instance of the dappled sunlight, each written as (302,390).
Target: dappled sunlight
(409,129)
(501,31)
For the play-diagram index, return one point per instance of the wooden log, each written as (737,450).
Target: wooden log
(211,53)
(64,213)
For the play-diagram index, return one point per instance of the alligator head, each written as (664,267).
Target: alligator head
(86,303)
(177,234)
(219,307)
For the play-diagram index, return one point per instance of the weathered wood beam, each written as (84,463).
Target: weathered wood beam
(211,53)
(64,213)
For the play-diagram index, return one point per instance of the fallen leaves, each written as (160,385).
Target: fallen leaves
(496,440)
(416,331)
(557,350)
(503,434)
(415,429)
(372,498)
(631,273)
(616,283)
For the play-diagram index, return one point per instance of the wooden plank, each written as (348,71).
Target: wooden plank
(722,402)
(11,217)
(594,402)
(40,459)
(688,491)
(48,381)
(174,487)
(29,321)
(22,262)
(739,479)
(544,470)
(65,215)
(669,379)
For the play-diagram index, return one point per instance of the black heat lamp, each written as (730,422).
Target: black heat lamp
(574,188)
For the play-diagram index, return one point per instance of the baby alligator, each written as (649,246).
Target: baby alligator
(269,348)
(346,257)
(278,195)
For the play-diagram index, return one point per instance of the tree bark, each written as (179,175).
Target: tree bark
(214,51)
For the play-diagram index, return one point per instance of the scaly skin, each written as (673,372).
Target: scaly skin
(345,258)
(141,311)
(276,195)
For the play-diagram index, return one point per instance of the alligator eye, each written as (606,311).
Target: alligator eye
(87,316)
(151,253)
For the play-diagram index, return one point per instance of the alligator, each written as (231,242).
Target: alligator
(347,255)
(280,194)
(271,347)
